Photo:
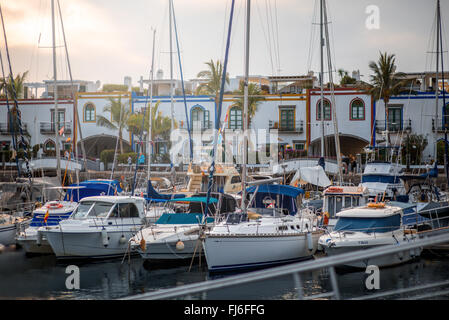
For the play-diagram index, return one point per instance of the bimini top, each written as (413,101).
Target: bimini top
(114,199)
(370,212)
(93,188)
(194,199)
(280,189)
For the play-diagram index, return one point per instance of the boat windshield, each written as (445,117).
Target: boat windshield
(92,209)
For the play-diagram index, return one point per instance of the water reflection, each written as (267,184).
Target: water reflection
(43,277)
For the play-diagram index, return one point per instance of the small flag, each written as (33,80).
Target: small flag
(61,131)
(69,139)
(46,216)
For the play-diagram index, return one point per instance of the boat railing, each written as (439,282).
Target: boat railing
(298,272)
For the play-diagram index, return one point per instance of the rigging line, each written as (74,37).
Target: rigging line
(269,37)
(220,102)
(277,34)
(312,41)
(223,39)
(265,36)
(16,105)
(182,84)
(10,117)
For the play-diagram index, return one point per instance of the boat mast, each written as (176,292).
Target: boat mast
(437,93)
(440,40)
(150,126)
(55,95)
(322,79)
(170,4)
(245,104)
(334,105)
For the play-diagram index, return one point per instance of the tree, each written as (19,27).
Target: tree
(161,125)
(414,145)
(386,82)
(213,77)
(254,99)
(345,79)
(19,82)
(120,113)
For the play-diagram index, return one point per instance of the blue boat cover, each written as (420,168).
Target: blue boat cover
(93,188)
(368,225)
(52,220)
(286,195)
(182,218)
(195,199)
(153,194)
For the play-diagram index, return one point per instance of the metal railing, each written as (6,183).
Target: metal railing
(5,128)
(295,270)
(49,127)
(297,126)
(404,125)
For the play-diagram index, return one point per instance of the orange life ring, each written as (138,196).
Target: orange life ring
(54,205)
(376,205)
(334,189)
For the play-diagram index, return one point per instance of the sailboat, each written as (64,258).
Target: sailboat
(268,229)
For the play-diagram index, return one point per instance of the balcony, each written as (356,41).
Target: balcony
(49,127)
(404,125)
(439,127)
(296,127)
(5,129)
(197,125)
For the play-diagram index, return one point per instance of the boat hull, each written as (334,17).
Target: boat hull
(167,251)
(8,234)
(88,245)
(238,252)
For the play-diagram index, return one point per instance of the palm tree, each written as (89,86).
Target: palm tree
(385,82)
(254,99)
(120,113)
(161,125)
(19,82)
(345,78)
(213,77)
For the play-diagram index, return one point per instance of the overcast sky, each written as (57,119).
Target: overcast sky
(111,39)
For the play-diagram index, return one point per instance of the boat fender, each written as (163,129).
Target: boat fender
(39,239)
(2,248)
(104,237)
(122,239)
(143,245)
(179,245)
(309,241)
(401,255)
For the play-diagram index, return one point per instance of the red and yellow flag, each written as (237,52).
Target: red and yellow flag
(46,216)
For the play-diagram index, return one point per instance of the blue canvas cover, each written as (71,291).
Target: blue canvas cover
(286,195)
(153,194)
(368,225)
(93,188)
(182,218)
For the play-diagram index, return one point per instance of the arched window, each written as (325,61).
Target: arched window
(235,118)
(327,110)
(89,112)
(357,109)
(49,146)
(200,118)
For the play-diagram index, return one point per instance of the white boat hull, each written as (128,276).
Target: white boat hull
(234,252)
(88,245)
(381,262)
(8,234)
(28,240)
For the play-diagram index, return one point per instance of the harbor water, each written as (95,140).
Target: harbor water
(44,278)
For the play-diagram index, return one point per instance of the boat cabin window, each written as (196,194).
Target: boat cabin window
(235,179)
(347,202)
(124,210)
(91,209)
(235,218)
(338,204)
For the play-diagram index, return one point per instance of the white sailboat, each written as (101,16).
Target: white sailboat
(269,229)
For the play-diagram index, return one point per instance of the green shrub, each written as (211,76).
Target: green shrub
(107,156)
(123,158)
